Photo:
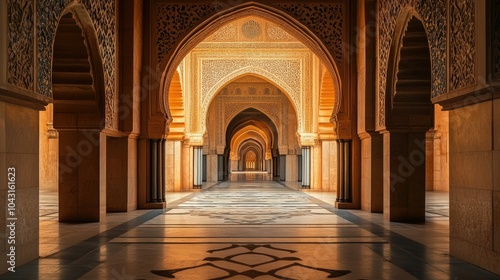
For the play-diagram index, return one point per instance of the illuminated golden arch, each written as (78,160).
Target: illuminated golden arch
(207,27)
(256,72)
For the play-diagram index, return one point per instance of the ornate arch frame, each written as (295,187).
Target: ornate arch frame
(405,16)
(201,31)
(84,21)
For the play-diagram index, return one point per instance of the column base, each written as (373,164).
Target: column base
(153,205)
(345,205)
(306,187)
(197,186)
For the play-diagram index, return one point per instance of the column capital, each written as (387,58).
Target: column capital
(195,139)
(307,139)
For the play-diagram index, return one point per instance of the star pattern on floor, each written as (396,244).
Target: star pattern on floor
(257,259)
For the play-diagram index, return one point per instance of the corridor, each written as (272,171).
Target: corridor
(252,230)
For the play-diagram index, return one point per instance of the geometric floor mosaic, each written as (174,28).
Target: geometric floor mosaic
(250,230)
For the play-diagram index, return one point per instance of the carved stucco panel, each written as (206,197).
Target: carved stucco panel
(20,43)
(326,20)
(173,20)
(496,39)
(462,44)
(286,73)
(103,13)
(434,19)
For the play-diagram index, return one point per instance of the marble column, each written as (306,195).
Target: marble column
(197,167)
(306,167)
(344,190)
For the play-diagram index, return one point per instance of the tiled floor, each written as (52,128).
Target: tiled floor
(248,230)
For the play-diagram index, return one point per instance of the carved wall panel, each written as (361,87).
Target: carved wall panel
(496,39)
(20,49)
(326,20)
(102,13)
(48,13)
(433,14)
(462,44)
(287,73)
(173,20)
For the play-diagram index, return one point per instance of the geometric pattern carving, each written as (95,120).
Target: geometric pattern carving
(496,39)
(218,72)
(326,20)
(173,20)
(102,14)
(274,33)
(47,15)
(226,33)
(433,15)
(462,44)
(20,49)
(288,74)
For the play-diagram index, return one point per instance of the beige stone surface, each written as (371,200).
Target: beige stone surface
(471,170)
(19,149)
(471,217)
(471,128)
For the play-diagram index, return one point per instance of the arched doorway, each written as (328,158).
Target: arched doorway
(78,117)
(410,124)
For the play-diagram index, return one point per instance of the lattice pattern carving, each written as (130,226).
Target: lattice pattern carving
(20,49)
(274,33)
(227,32)
(326,20)
(102,13)
(48,13)
(462,44)
(434,20)
(218,72)
(496,39)
(103,16)
(173,20)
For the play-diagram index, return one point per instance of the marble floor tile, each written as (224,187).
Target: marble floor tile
(247,230)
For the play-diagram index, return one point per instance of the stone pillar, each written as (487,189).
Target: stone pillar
(212,168)
(82,175)
(475,184)
(291,168)
(372,168)
(121,170)
(49,151)
(173,165)
(19,150)
(328,165)
(429,160)
(197,167)
(306,167)
(221,160)
(404,176)
(282,167)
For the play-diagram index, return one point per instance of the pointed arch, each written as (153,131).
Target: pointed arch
(207,27)
(409,79)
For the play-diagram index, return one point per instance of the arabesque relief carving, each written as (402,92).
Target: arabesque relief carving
(462,44)
(103,18)
(20,49)
(434,19)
